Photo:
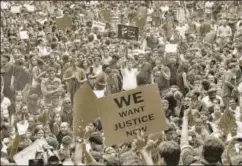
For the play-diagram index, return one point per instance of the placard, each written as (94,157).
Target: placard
(101,26)
(23,157)
(227,122)
(125,113)
(128,32)
(99,93)
(84,107)
(171,48)
(4,5)
(23,35)
(64,22)
(105,15)
(15,9)
(30,8)
(22,127)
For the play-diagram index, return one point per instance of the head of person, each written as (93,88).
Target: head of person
(105,52)
(169,153)
(39,133)
(96,140)
(57,118)
(212,93)
(52,59)
(211,78)
(53,160)
(24,110)
(97,61)
(213,149)
(51,73)
(141,58)
(31,121)
(64,128)
(5,59)
(232,103)
(170,132)
(66,141)
(40,63)
(111,160)
(158,62)
(74,62)
(129,64)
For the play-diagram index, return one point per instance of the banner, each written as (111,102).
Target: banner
(101,26)
(23,157)
(128,32)
(84,107)
(125,113)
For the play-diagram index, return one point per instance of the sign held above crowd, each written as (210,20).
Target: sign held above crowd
(99,25)
(128,32)
(64,22)
(84,108)
(131,111)
(23,157)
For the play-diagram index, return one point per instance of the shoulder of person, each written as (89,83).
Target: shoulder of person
(44,80)
(57,79)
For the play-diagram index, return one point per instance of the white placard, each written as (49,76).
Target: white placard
(4,5)
(15,9)
(99,93)
(101,26)
(23,157)
(30,8)
(22,127)
(171,48)
(94,3)
(23,35)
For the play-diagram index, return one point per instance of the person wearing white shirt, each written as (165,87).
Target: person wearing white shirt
(208,9)
(224,33)
(182,29)
(5,103)
(129,76)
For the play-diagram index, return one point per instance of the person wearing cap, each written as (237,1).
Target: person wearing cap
(51,88)
(211,99)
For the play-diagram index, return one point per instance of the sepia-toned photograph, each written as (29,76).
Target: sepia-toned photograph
(121,82)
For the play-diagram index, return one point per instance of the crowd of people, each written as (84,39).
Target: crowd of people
(199,81)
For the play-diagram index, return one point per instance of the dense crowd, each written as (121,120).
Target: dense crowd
(199,80)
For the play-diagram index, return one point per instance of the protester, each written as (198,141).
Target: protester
(191,50)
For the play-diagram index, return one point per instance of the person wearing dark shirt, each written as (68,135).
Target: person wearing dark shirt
(64,131)
(145,71)
(161,76)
